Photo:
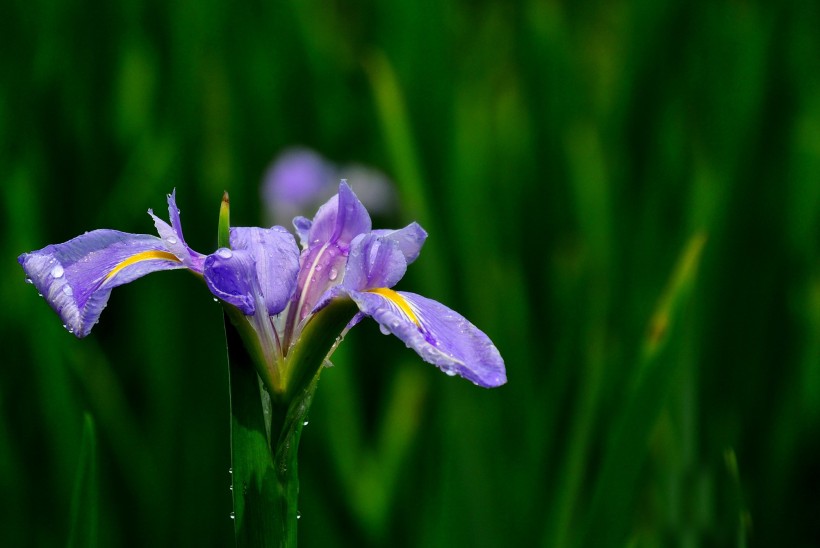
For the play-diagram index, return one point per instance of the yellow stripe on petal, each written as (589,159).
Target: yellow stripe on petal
(398,300)
(139,257)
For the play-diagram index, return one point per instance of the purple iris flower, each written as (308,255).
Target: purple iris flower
(274,288)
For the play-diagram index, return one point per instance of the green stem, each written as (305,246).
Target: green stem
(265,430)
(265,483)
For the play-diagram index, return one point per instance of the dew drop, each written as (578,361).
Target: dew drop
(172,240)
(305,423)
(57,271)
(29,280)
(233,516)
(318,268)
(384,330)
(225,253)
(230,487)
(333,274)
(326,363)
(298,514)
(67,290)
(230,470)
(216,300)
(450,372)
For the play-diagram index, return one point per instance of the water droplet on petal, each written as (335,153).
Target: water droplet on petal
(450,372)
(29,280)
(57,271)
(230,470)
(233,516)
(333,274)
(225,253)
(384,330)
(172,240)
(67,290)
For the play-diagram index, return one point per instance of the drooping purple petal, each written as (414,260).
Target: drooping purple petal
(76,277)
(340,219)
(374,261)
(231,276)
(174,240)
(438,334)
(276,256)
(409,238)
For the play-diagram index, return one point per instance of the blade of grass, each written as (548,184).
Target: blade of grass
(85,499)
(623,457)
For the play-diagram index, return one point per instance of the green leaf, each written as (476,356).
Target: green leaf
(623,458)
(252,473)
(85,499)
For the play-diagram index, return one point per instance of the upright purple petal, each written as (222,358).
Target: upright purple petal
(439,335)
(321,267)
(374,261)
(76,277)
(340,219)
(174,240)
(276,257)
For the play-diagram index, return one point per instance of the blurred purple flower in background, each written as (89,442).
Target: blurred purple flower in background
(299,180)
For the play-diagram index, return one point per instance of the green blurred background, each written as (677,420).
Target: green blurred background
(624,195)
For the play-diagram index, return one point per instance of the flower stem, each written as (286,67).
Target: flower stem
(265,483)
(266,428)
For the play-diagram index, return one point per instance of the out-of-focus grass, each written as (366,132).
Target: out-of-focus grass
(561,156)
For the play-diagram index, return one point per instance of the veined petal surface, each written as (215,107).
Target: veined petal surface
(438,334)
(276,257)
(374,261)
(76,277)
(339,220)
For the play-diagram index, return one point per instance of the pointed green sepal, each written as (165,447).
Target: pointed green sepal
(224,230)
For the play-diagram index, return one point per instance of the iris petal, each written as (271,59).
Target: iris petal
(374,261)
(76,277)
(409,238)
(174,240)
(438,334)
(231,276)
(340,219)
(276,257)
